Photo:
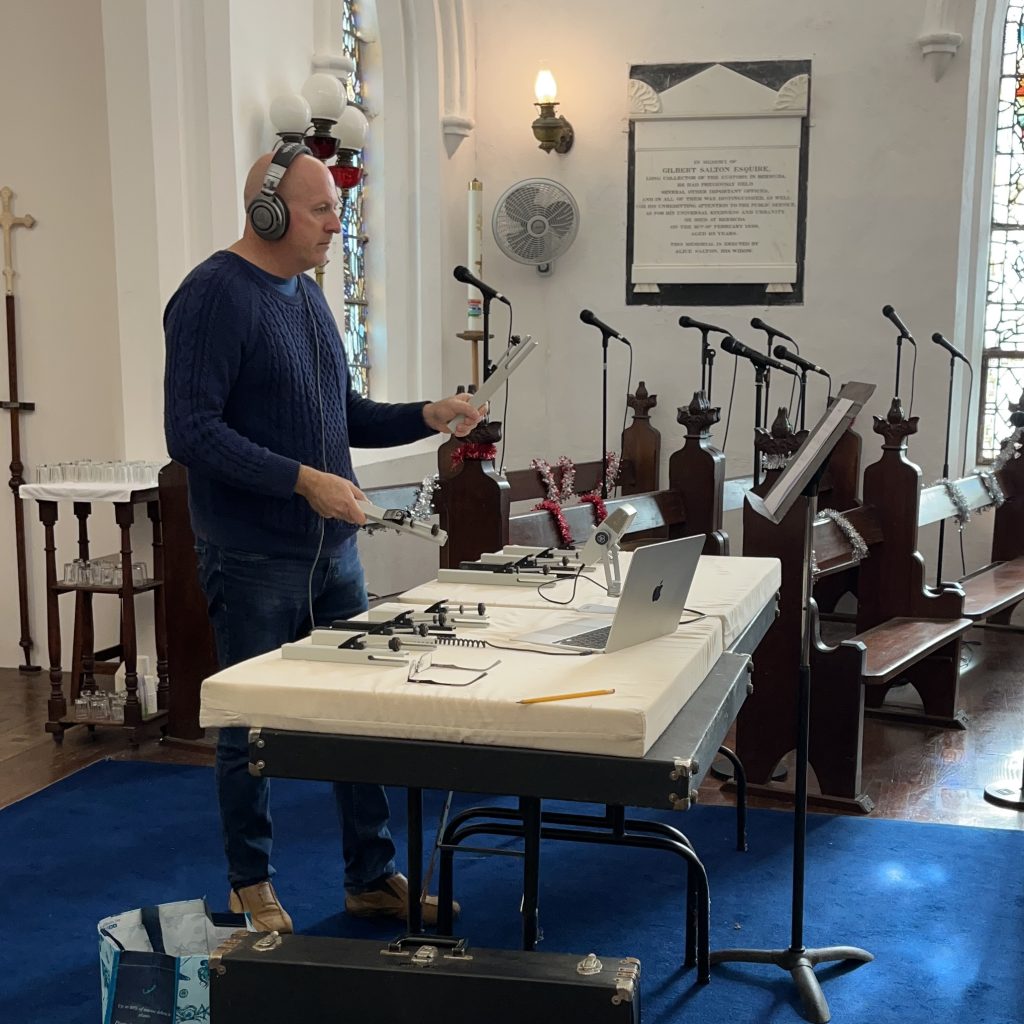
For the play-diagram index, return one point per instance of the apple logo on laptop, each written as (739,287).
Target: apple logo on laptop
(657,591)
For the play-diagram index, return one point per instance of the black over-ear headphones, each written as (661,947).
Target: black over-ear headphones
(268,213)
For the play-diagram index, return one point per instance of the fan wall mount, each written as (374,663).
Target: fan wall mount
(535,221)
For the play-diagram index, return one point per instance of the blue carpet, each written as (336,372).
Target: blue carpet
(941,907)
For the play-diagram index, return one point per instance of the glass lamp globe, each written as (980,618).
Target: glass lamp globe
(326,96)
(351,128)
(290,115)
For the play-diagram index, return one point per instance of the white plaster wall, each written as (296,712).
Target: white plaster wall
(884,208)
(53,154)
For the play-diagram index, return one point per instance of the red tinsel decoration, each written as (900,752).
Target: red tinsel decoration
(474,453)
(556,510)
(600,509)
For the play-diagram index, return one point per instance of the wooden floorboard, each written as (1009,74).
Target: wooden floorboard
(912,773)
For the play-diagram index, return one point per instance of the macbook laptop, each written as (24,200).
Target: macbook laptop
(653,599)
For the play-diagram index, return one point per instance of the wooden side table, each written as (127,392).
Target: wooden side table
(84,668)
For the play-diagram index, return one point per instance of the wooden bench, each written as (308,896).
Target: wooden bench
(474,500)
(907,631)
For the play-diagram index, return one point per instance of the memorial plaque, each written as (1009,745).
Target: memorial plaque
(717,183)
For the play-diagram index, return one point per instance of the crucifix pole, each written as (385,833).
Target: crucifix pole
(8,222)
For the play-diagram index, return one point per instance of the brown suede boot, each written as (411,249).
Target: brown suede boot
(392,901)
(260,902)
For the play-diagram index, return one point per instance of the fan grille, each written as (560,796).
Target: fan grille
(535,221)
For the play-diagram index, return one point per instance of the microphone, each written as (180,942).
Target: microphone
(460,273)
(781,352)
(688,321)
(760,325)
(890,314)
(588,318)
(955,353)
(737,348)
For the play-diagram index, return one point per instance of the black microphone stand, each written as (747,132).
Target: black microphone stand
(488,367)
(900,338)
(945,468)
(803,398)
(707,363)
(604,413)
(761,375)
(797,959)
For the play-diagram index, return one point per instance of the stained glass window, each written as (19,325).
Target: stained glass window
(1003,360)
(353,232)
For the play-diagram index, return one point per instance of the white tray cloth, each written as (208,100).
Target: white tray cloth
(732,587)
(652,682)
(83,491)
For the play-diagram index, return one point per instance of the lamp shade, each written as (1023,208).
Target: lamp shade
(326,96)
(290,114)
(351,128)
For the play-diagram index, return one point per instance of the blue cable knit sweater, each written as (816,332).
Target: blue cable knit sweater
(241,406)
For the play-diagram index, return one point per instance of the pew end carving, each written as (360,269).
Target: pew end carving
(696,472)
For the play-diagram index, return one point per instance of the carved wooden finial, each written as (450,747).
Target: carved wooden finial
(641,403)
(895,428)
(699,416)
(779,443)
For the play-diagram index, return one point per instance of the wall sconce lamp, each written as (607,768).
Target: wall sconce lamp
(322,119)
(551,130)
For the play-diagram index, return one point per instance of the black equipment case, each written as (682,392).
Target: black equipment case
(259,978)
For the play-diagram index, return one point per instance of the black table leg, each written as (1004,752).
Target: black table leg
(529,807)
(415,858)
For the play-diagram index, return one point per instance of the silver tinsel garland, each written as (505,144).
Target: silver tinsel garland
(991,484)
(848,530)
(959,500)
(423,506)
(1010,450)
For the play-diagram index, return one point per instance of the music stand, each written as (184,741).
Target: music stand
(801,478)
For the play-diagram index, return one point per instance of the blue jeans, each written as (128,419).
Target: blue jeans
(256,603)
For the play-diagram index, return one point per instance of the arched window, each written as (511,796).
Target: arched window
(353,233)
(1003,358)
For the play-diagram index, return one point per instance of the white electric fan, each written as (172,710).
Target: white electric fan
(535,222)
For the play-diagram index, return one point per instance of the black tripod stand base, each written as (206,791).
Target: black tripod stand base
(800,963)
(1005,796)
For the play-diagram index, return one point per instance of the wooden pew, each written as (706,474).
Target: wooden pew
(474,500)
(920,638)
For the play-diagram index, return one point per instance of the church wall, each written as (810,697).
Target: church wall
(53,154)
(883,225)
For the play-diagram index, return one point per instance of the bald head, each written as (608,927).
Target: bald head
(304,170)
(308,191)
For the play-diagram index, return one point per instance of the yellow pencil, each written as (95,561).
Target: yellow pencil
(563,696)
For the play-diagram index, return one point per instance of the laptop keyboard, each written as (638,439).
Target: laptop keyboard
(595,638)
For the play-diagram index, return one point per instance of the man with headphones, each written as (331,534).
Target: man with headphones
(259,408)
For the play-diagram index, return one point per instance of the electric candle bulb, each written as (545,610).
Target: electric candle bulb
(545,88)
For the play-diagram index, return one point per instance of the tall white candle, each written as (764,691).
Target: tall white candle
(474,259)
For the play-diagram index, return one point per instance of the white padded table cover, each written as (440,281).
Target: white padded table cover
(652,681)
(730,587)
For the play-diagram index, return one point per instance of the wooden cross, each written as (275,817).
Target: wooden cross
(641,403)
(8,222)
